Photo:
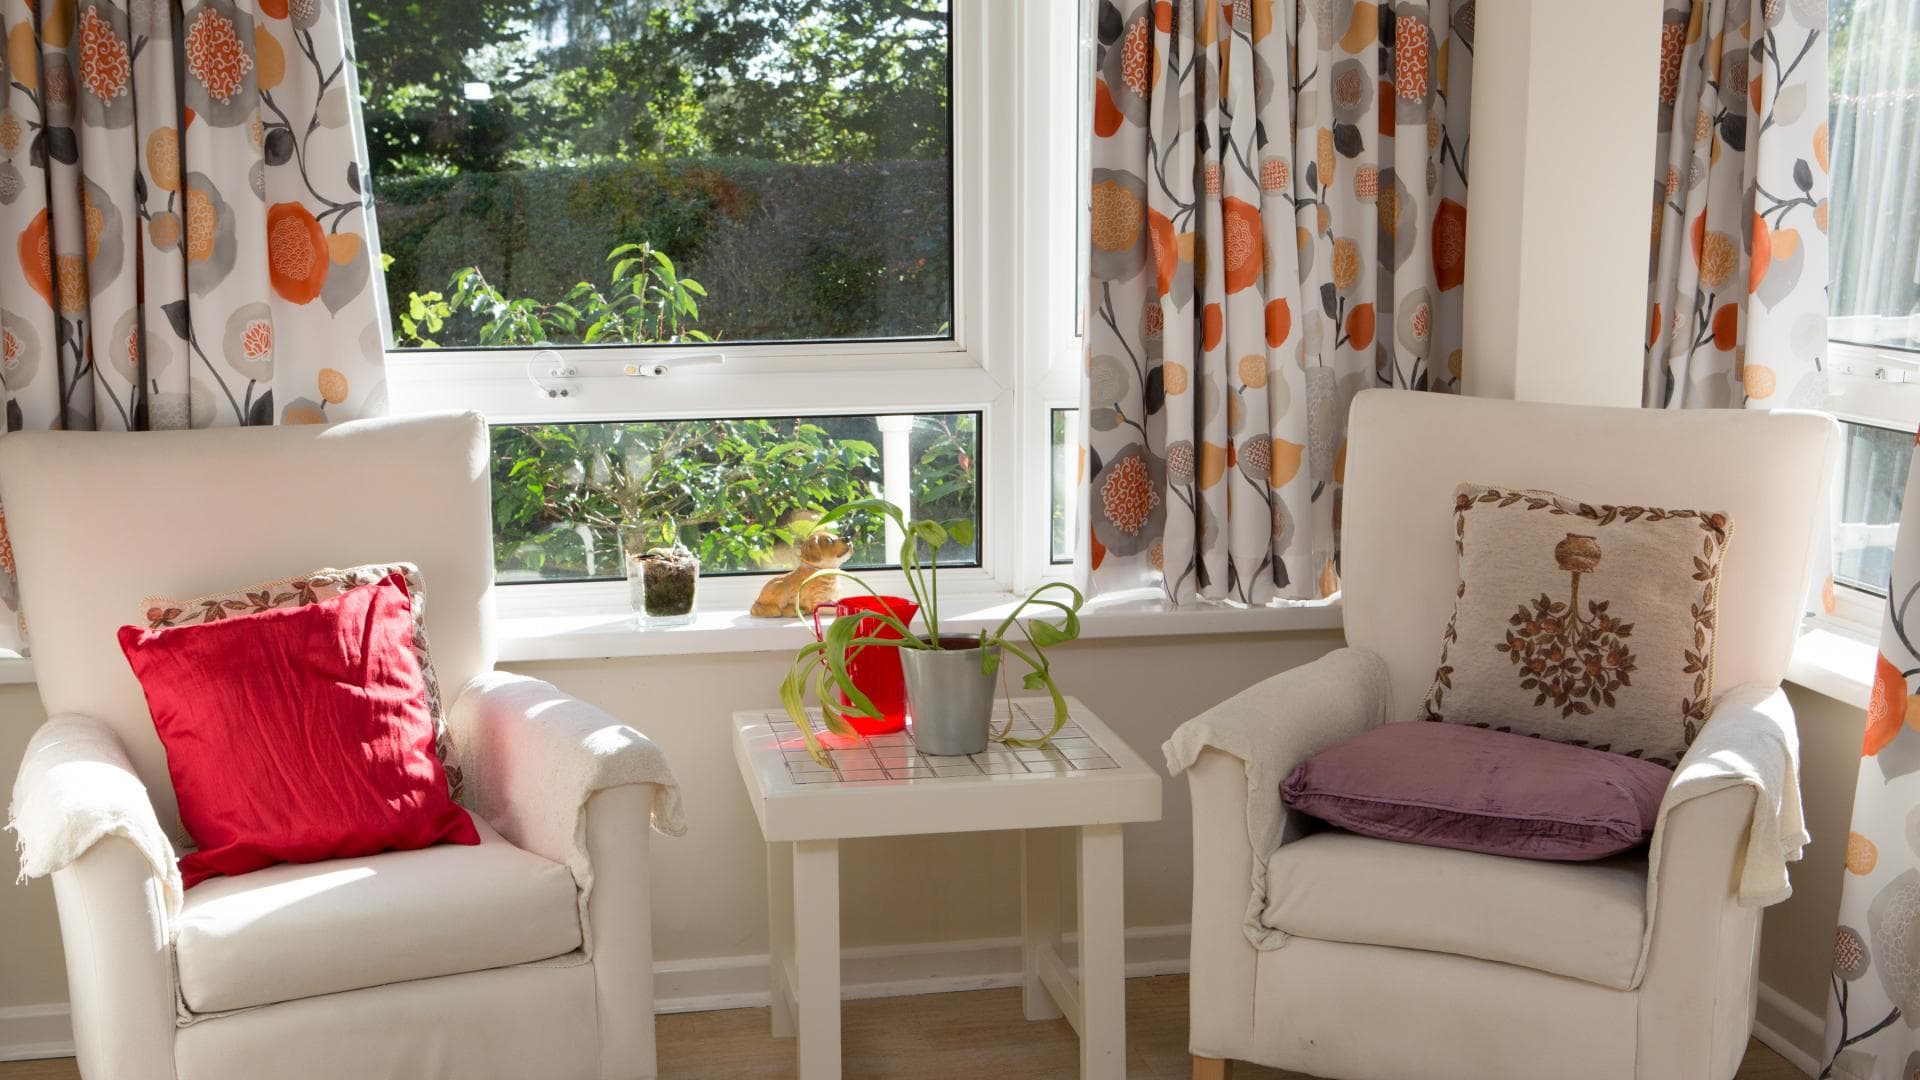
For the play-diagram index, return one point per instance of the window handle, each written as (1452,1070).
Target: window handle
(653,369)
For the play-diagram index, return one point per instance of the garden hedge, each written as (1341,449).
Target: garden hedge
(784,250)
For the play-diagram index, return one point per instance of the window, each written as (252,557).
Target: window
(1873,325)
(738,493)
(620,172)
(744,258)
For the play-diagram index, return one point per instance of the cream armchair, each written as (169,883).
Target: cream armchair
(1359,959)
(527,955)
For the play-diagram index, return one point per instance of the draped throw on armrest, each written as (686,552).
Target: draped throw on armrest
(533,755)
(1750,741)
(76,788)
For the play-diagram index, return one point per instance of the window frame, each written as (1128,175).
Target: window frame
(1012,356)
(1879,386)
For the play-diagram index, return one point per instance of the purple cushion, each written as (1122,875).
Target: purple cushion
(1454,786)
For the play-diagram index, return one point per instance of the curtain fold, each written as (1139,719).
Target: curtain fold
(187,223)
(1873,1012)
(1278,221)
(1873,1015)
(185,186)
(1737,302)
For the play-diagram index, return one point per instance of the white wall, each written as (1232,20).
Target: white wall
(1560,182)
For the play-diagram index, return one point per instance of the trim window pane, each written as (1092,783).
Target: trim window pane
(1065,502)
(1875,124)
(1867,521)
(740,491)
(794,163)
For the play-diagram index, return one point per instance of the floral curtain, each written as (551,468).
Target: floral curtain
(1873,1021)
(1737,302)
(189,240)
(1278,221)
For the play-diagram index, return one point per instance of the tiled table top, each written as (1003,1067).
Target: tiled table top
(881,785)
(893,757)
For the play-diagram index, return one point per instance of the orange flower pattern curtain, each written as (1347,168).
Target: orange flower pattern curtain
(1737,296)
(185,190)
(189,240)
(1873,1018)
(1278,221)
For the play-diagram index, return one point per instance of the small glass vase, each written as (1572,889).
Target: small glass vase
(663,577)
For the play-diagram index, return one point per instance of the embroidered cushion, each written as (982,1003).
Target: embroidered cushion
(160,612)
(1584,624)
(297,734)
(1453,786)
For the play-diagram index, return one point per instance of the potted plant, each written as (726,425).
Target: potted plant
(950,677)
(663,577)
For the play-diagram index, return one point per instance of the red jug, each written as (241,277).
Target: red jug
(875,669)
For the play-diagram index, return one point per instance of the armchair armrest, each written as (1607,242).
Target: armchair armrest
(562,779)
(533,756)
(75,788)
(1253,740)
(81,814)
(1728,826)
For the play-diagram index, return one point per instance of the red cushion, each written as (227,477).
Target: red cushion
(298,734)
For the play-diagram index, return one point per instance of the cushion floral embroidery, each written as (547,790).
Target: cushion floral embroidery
(160,612)
(1572,651)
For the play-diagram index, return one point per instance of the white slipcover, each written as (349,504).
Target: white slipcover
(1366,993)
(1337,886)
(302,930)
(99,521)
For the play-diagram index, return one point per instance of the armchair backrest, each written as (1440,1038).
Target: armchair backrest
(1406,452)
(100,521)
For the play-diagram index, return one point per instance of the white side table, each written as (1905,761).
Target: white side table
(1088,780)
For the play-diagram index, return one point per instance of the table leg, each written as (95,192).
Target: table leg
(816,901)
(1040,873)
(1103,988)
(780,935)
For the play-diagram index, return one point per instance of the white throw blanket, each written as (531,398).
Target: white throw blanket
(76,788)
(1272,727)
(1750,740)
(533,756)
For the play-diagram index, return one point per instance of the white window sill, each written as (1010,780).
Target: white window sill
(1835,659)
(596,632)
(593,630)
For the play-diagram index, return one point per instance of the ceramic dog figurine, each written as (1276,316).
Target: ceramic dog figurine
(791,594)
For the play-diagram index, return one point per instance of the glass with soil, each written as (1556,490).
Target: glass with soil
(663,576)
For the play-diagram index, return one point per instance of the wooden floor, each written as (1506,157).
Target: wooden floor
(972,1034)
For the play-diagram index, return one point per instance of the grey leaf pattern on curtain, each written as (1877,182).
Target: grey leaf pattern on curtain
(189,239)
(1737,301)
(1278,221)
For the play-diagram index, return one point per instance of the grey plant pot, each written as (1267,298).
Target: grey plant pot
(950,697)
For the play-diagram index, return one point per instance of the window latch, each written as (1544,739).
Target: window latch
(654,369)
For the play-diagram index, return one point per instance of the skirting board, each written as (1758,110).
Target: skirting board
(35,1031)
(738,982)
(1788,1029)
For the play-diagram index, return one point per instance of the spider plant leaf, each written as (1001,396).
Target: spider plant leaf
(932,532)
(1044,634)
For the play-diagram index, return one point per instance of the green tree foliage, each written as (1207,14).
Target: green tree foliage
(572,82)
